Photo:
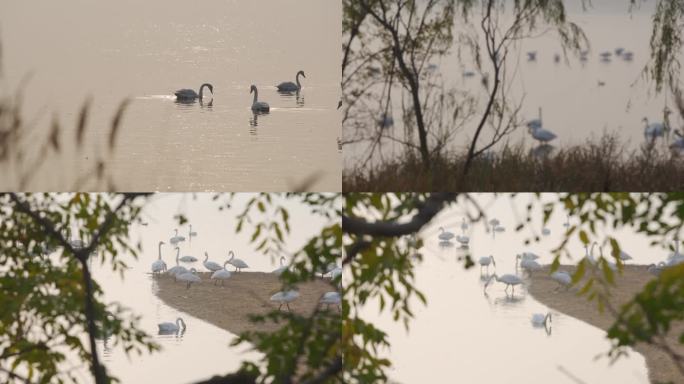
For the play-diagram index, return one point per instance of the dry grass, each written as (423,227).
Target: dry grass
(604,165)
(633,278)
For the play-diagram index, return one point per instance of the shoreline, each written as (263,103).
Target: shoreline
(633,278)
(245,293)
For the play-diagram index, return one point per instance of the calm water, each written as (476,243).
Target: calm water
(468,337)
(110,51)
(574,106)
(202,350)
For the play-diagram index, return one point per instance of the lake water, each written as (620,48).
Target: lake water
(463,335)
(203,350)
(573,104)
(146,51)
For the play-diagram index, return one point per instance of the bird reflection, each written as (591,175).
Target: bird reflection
(207,105)
(542,151)
(446,244)
(299,100)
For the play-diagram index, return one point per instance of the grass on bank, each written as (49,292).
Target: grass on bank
(601,165)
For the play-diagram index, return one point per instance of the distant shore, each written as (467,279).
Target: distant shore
(634,277)
(244,294)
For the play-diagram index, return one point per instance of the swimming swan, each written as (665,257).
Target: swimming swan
(289,86)
(171,327)
(258,106)
(190,94)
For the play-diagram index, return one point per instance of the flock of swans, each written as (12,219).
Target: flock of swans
(287,87)
(527,262)
(220,274)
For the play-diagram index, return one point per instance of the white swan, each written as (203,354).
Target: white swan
(210,265)
(464,240)
(445,235)
(282,267)
(485,261)
(188,259)
(237,263)
(654,130)
(331,298)
(562,278)
(542,135)
(159,265)
(171,327)
(189,277)
(656,269)
(508,279)
(258,106)
(176,239)
(529,256)
(285,298)
(539,319)
(530,265)
(190,94)
(288,86)
(177,269)
(222,274)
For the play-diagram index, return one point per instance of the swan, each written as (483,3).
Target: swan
(494,222)
(619,51)
(445,235)
(532,55)
(237,263)
(177,269)
(288,86)
(624,256)
(188,259)
(464,240)
(499,228)
(189,277)
(508,279)
(562,278)
(539,319)
(656,269)
(159,265)
(331,298)
(535,123)
(189,94)
(282,267)
(171,327)
(654,130)
(222,274)
(485,261)
(529,256)
(628,56)
(176,239)
(530,265)
(337,271)
(285,297)
(210,265)
(541,134)
(258,106)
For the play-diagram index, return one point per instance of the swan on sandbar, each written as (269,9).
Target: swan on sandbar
(288,86)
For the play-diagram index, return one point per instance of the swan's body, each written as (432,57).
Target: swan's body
(445,235)
(176,270)
(494,222)
(542,135)
(159,265)
(176,239)
(539,319)
(190,94)
(237,263)
(331,298)
(223,274)
(189,277)
(188,259)
(508,279)
(171,327)
(285,298)
(282,267)
(530,265)
(258,106)
(525,256)
(464,240)
(485,261)
(289,86)
(562,278)
(654,130)
(624,256)
(628,56)
(210,265)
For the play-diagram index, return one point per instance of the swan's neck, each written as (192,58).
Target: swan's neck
(297,80)
(177,255)
(256,96)
(232,255)
(160,251)
(206,257)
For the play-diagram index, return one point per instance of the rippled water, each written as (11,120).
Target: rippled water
(146,51)
(202,351)
(573,104)
(464,335)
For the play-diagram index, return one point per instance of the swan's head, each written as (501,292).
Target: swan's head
(177,248)
(252,89)
(161,243)
(301,73)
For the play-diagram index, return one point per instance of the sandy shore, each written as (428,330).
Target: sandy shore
(660,366)
(244,293)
